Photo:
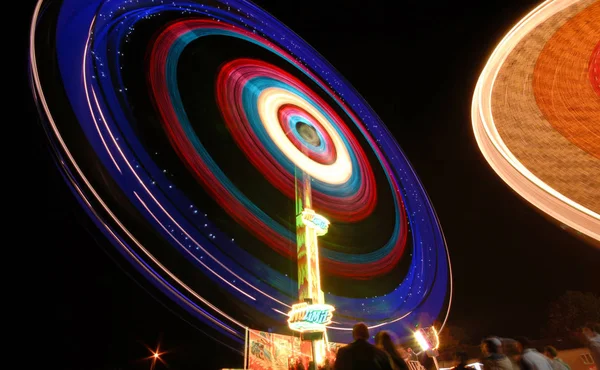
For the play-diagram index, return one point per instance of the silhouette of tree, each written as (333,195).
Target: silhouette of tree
(570,311)
(452,339)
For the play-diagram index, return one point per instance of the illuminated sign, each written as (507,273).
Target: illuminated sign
(315,317)
(317,222)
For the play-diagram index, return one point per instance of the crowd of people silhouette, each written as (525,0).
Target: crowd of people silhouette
(496,354)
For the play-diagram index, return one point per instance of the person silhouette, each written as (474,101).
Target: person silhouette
(360,354)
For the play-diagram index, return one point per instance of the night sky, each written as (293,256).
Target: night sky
(416,64)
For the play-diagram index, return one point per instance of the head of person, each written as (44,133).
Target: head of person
(360,331)
(401,351)
(409,350)
(461,357)
(591,329)
(522,343)
(491,346)
(550,352)
(510,348)
(385,340)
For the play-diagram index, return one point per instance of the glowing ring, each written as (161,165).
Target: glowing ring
(248,79)
(269,103)
(289,117)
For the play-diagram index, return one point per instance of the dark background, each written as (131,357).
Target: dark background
(416,63)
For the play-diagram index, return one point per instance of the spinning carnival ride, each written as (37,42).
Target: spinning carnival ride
(212,146)
(536,112)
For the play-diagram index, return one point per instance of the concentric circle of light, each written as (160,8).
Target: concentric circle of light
(535,112)
(269,103)
(150,145)
(245,90)
(307,135)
